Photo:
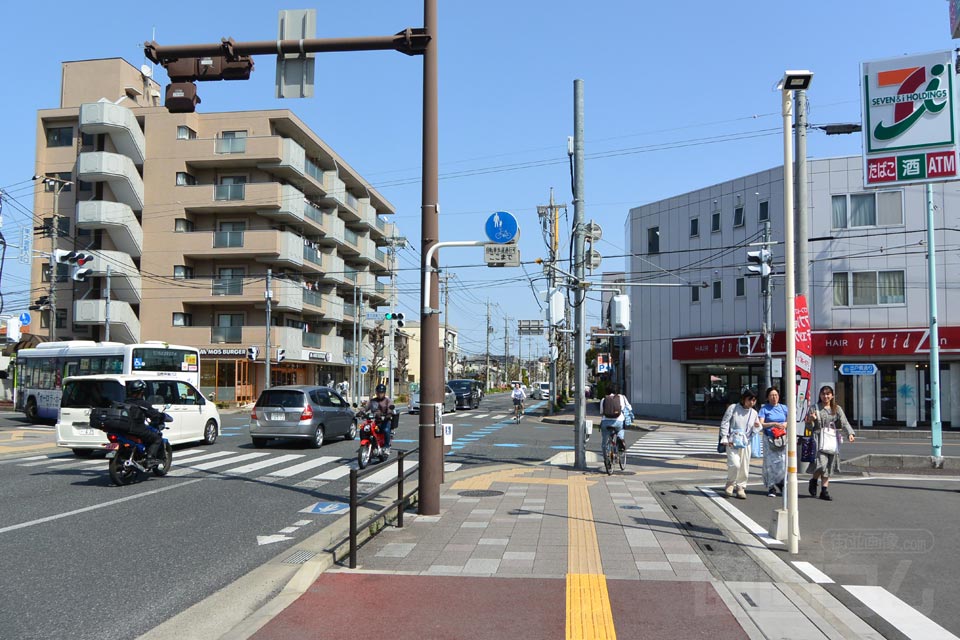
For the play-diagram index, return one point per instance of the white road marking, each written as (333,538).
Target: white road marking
(333,474)
(898,613)
(388,473)
(742,518)
(263,464)
(190,468)
(813,573)
(480,415)
(24,525)
(262,540)
(286,472)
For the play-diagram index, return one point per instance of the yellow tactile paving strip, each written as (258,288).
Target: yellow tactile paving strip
(589,616)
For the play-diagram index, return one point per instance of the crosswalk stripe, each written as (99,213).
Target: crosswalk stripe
(208,456)
(388,473)
(481,415)
(190,467)
(46,461)
(263,464)
(333,474)
(286,472)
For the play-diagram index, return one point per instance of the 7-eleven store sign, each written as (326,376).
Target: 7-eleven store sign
(909,120)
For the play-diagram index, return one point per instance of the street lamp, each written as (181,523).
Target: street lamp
(791,81)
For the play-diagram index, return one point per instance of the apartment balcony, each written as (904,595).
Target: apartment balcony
(383,229)
(125,281)
(336,194)
(281,248)
(379,293)
(115,169)
(206,336)
(330,306)
(117,220)
(253,197)
(366,213)
(124,324)
(380,261)
(334,231)
(367,249)
(291,206)
(325,263)
(117,122)
(352,245)
(230,153)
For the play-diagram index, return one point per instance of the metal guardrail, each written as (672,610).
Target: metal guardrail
(357,501)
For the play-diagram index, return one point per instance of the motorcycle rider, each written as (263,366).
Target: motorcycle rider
(379,406)
(149,437)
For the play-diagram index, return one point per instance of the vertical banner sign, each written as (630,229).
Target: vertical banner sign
(804,345)
(909,120)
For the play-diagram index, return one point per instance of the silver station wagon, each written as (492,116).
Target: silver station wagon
(304,412)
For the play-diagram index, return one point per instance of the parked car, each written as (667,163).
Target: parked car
(304,412)
(449,399)
(467,392)
(541,390)
(195,419)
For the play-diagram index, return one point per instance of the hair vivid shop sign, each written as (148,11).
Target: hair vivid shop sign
(909,120)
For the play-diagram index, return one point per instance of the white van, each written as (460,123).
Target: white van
(195,419)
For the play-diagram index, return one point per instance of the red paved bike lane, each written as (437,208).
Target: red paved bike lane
(341,605)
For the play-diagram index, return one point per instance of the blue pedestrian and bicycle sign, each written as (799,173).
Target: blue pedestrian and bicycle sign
(858,369)
(24,318)
(502,227)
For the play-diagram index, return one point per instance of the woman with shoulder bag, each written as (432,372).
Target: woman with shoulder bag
(824,420)
(773,415)
(737,427)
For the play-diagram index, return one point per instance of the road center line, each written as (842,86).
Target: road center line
(24,525)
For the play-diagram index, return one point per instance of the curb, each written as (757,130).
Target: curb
(898,462)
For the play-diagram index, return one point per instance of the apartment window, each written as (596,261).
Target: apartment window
(229,328)
(717,290)
(231,142)
(61,319)
(653,240)
(185,133)
(229,281)
(694,294)
(59,136)
(87,139)
(230,235)
(694,227)
(84,187)
(738,218)
(182,225)
(715,221)
(741,287)
(182,319)
(62,273)
(51,186)
(230,188)
(63,227)
(182,272)
(869,288)
(764,211)
(185,179)
(881,209)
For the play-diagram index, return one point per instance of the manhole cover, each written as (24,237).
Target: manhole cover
(480,493)
(299,557)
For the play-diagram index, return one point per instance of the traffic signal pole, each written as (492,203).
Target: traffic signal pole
(266,356)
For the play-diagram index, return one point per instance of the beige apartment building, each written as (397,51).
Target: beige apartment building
(189,212)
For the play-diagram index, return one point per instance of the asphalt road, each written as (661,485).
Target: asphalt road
(81,558)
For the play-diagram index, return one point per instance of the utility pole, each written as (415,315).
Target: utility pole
(268,296)
(800,133)
(489,329)
(767,284)
(106,329)
(519,354)
(58,185)
(506,350)
(550,220)
(360,343)
(355,355)
(579,295)
(446,324)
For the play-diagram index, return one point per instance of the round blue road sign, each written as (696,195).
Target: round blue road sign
(24,318)
(363,368)
(502,227)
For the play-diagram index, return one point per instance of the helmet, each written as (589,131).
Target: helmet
(138,386)
(381,388)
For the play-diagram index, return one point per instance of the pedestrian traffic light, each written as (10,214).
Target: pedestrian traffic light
(396,317)
(761,262)
(743,345)
(281,355)
(253,352)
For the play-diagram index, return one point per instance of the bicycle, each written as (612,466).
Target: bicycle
(517,412)
(614,453)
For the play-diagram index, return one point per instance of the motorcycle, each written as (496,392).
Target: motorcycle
(127,453)
(372,437)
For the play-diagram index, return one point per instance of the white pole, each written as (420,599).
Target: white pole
(789,375)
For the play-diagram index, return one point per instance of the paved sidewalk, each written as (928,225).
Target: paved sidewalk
(550,552)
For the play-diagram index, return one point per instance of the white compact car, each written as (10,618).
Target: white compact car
(195,419)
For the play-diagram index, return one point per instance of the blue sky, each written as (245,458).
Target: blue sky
(662,81)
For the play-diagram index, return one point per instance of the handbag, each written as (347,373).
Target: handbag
(627,416)
(739,440)
(756,445)
(828,440)
(721,448)
(808,448)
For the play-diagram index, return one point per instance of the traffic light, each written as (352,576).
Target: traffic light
(253,352)
(75,259)
(181,94)
(761,262)
(281,355)
(40,304)
(743,345)
(396,317)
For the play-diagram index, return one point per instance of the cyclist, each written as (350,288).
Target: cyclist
(611,408)
(518,395)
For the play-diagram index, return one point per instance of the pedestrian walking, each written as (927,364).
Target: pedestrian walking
(773,415)
(824,421)
(739,423)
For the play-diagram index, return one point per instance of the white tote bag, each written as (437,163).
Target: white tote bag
(828,439)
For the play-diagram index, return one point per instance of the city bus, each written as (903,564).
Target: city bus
(40,371)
